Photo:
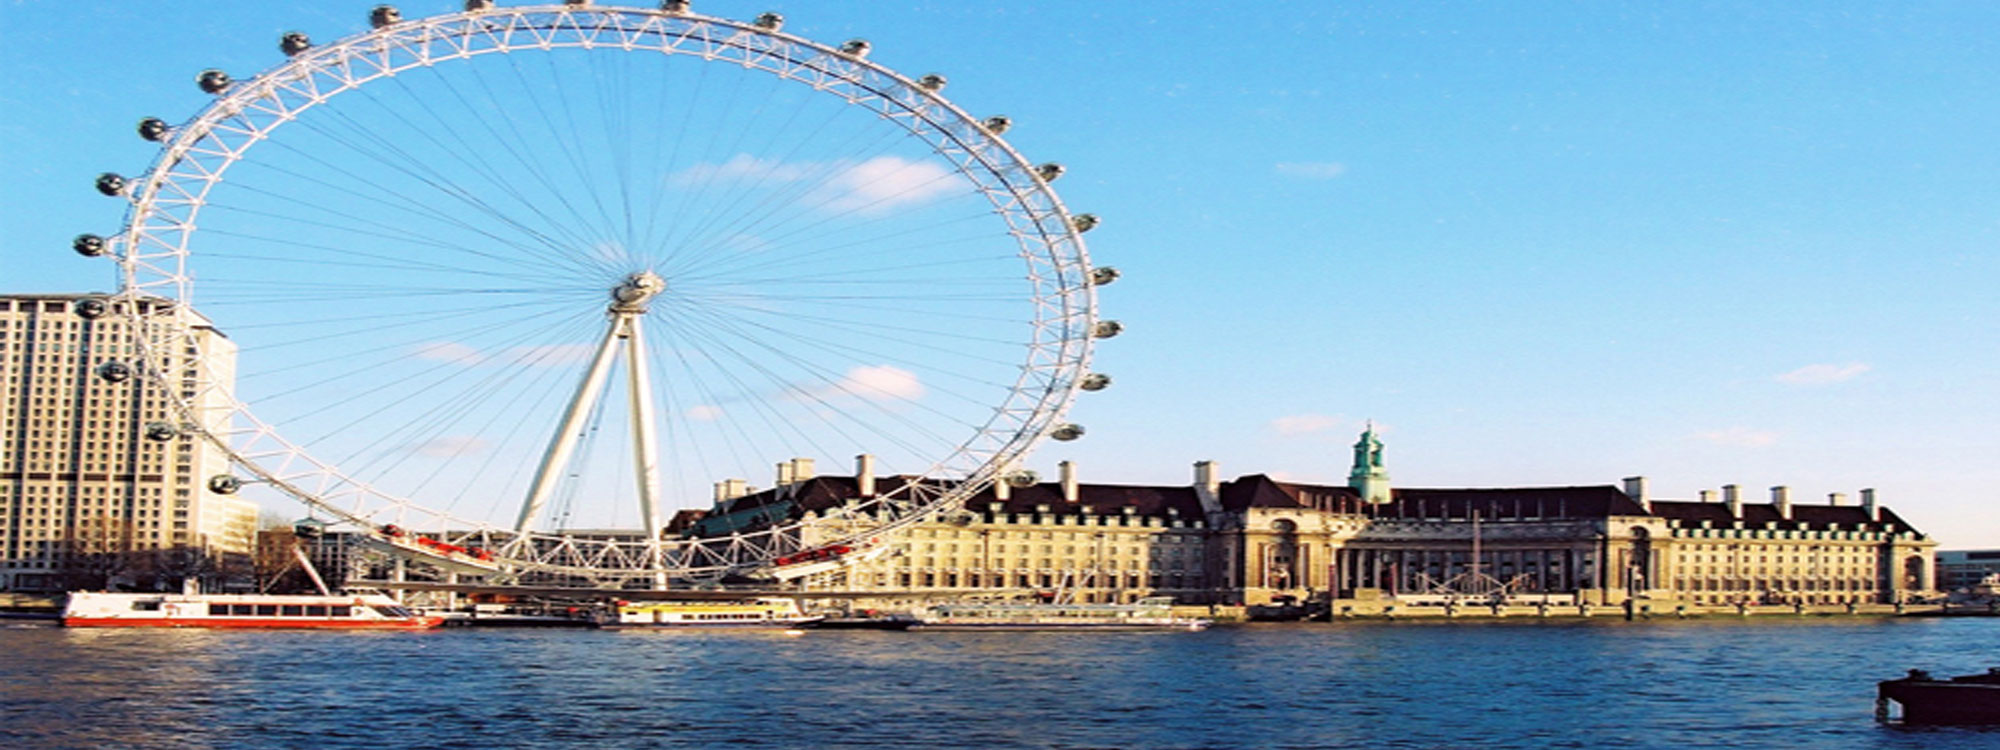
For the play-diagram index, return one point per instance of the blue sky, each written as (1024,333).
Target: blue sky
(1539,244)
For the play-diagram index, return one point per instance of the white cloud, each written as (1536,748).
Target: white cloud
(887,182)
(874,186)
(1304,424)
(450,446)
(1740,437)
(1824,374)
(551,355)
(881,383)
(704,413)
(448,351)
(742,167)
(1311,170)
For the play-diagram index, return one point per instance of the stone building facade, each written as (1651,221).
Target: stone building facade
(1256,540)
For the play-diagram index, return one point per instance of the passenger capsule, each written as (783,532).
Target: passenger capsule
(1050,171)
(474,6)
(1084,222)
(111,183)
(576,2)
(89,309)
(998,124)
(932,82)
(384,15)
(114,372)
(771,21)
(674,6)
(160,432)
(88,245)
(213,81)
(224,484)
(1102,275)
(1107,328)
(294,43)
(1095,381)
(856,48)
(1067,432)
(1024,478)
(153,129)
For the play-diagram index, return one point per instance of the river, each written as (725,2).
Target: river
(1763,683)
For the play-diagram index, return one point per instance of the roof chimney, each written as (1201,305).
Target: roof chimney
(730,489)
(1635,488)
(1836,499)
(1733,499)
(1003,487)
(864,475)
(1068,480)
(1208,485)
(784,474)
(1868,505)
(802,469)
(1781,496)
(1708,496)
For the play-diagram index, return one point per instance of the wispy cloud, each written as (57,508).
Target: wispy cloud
(1311,170)
(448,351)
(1739,437)
(1824,374)
(1303,424)
(742,167)
(881,383)
(552,355)
(888,182)
(875,186)
(704,413)
(450,446)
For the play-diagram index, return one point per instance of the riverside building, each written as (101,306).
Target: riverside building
(1256,540)
(98,484)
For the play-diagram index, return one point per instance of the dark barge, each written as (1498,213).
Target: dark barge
(1969,699)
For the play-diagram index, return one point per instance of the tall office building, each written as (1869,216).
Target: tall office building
(99,483)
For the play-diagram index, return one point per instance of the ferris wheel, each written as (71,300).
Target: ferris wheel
(491,285)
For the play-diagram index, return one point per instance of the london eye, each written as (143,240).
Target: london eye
(493,283)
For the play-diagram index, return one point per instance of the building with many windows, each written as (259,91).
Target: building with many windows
(1965,570)
(1256,539)
(100,484)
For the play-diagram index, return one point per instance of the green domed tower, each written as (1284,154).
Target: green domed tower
(1369,477)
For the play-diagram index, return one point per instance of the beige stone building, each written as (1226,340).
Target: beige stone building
(1256,540)
(99,485)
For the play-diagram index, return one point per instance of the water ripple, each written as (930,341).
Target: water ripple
(1756,684)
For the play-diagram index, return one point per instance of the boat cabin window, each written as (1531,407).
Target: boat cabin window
(267,610)
(146,605)
(389,611)
(315,610)
(340,610)
(293,610)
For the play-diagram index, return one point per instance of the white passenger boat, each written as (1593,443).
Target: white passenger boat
(756,613)
(90,609)
(1152,613)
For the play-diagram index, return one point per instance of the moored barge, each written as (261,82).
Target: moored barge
(1968,699)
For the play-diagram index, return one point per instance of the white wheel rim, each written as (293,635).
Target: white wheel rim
(156,261)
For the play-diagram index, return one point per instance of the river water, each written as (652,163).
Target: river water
(1772,683)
